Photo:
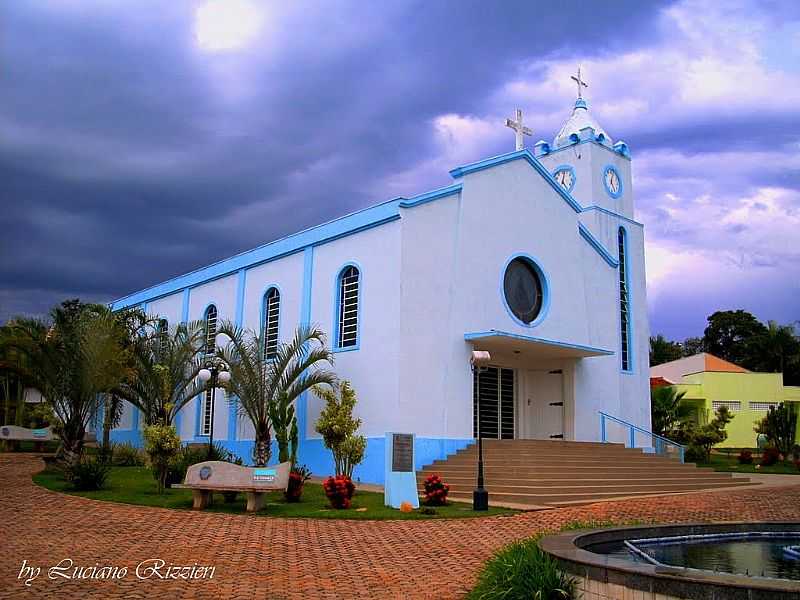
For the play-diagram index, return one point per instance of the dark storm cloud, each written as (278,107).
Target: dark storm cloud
(128,155)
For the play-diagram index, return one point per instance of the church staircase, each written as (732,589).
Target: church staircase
(539,473)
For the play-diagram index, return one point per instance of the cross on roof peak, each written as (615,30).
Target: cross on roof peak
(580,82)
(519,128)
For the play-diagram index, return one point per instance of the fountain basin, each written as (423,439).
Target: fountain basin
(607,568)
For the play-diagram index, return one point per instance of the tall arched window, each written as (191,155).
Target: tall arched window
(211,329)
(347,309)
(210,348)
(163,335)
(272,310)
(624,301)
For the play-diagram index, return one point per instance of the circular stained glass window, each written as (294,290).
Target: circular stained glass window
(522,287)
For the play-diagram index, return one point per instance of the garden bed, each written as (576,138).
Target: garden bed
(135,485)
(729,463)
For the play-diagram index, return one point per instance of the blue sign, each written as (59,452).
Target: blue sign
(266,475)
(40,433)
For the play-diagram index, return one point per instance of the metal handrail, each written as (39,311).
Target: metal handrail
(632,429)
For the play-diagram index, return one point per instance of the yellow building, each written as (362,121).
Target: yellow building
(710,382)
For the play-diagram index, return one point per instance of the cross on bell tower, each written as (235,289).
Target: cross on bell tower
(580,82)
(519,128)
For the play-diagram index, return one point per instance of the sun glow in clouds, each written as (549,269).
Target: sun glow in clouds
(221,25)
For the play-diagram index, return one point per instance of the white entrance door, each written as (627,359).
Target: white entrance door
(543,405)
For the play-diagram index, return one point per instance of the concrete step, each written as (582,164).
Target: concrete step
(619,489)
(676,478)
(560,462)
(557,473)
(584,497)
(533,474)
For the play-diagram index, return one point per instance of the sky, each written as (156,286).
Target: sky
(140,140)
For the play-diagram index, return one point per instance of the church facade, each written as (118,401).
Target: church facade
(533,256)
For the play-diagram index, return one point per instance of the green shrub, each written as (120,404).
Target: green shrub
(337,426)
(185,458)
(779,426)
(191,455)
(88,474)
(161,442)
(127,455)
(521,571)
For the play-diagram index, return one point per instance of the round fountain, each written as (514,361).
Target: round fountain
(709,561)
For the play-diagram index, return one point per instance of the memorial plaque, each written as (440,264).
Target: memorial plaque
(402,452)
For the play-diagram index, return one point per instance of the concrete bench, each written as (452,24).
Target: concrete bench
(208,477)
(23,434)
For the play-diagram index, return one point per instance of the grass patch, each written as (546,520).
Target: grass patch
(730,464)
(521,571)
(28,446)
(135,485)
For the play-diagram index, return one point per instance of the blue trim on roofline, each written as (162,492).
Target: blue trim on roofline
(523,154)
(594,243)
(612,214)
(433,195)
(553,150)
(478,335)
(366,218)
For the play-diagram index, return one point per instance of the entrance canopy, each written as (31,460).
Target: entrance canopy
(501,342)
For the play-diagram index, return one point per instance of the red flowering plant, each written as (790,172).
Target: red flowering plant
(339,490)
(297,478)
(436,490)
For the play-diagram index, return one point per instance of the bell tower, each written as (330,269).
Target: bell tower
(586,162)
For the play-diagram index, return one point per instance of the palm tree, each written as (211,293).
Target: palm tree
(776,347)
(667,411)
(72,361)
(166,367)
(260,383)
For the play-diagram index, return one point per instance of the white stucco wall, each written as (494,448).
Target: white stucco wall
(372,367)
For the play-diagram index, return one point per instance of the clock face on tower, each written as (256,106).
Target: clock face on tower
(612,181)
(565,177)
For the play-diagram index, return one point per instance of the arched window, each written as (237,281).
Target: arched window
(624,301)
(209,348)
(272,310)
(211,329)
(347,309)
(163,335)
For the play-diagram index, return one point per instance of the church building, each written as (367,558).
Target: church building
(533,256)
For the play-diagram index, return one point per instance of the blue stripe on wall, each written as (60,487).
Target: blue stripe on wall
(233,406)
(305,319)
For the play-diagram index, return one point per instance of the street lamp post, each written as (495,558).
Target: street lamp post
(215,371)
(480,495)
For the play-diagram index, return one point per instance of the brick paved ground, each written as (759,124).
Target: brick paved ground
(257,557)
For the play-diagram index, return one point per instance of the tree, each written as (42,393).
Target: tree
(730,334)
(166,368)
(701,438)
(667,411)
(80,355)
(338,426)
(663,350)
(779,425)
(776,348)
(284,423)
(692,346)
(259,383)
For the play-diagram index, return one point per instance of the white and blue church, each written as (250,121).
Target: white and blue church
(533,256)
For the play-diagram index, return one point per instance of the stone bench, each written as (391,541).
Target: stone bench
(211,476)
(23,434)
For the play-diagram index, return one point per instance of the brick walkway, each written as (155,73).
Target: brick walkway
(257,557)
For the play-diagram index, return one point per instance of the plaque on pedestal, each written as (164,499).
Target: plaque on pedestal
(401,478)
